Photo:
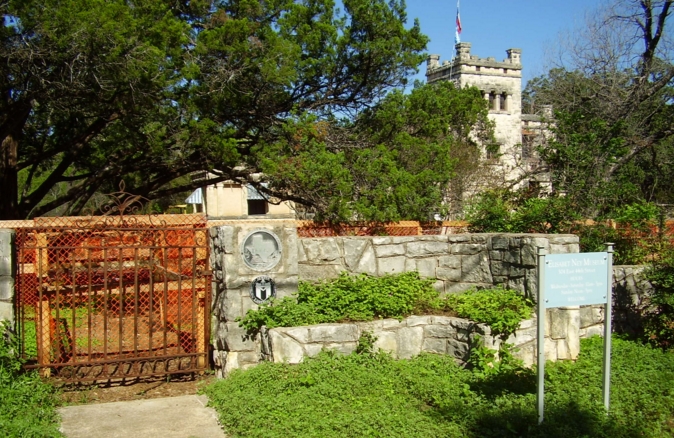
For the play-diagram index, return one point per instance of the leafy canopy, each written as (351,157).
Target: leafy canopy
(612,96)
(98,91)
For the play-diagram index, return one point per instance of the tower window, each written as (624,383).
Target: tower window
(527,146)
(492,101)
(504,102)
(493,151)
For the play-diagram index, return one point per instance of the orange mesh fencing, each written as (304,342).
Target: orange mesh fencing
(402,228)
(103,297)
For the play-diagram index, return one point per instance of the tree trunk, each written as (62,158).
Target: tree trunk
(9,190)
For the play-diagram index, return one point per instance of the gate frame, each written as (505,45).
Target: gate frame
(160,226)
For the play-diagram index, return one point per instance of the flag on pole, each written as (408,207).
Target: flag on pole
(457,38)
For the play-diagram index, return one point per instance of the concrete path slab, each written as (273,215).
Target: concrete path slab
(173,417)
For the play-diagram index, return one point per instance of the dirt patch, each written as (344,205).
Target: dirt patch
(134,389)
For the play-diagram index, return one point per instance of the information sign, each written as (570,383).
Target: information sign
(575,279)
(572,280)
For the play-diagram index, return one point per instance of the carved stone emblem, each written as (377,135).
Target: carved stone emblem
(262,289)
(261,250)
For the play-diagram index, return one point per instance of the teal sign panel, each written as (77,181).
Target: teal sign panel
(575,279)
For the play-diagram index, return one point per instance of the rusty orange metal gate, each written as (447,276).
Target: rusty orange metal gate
(103,298)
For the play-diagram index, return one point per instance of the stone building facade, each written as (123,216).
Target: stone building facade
(500,82)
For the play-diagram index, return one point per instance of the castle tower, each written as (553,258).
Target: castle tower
(500,84)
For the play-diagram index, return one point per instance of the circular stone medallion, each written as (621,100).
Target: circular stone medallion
(262,289)
(261,250)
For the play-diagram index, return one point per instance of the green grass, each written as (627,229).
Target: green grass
(429,396)
(27,404)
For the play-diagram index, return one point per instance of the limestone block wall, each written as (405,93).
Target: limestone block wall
(631,298)
(416,334)
(631,301)
(7,272)
(456,262)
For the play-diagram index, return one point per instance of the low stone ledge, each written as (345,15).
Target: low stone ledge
(416,334)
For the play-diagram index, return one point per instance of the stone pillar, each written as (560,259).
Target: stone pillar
(514,56)
(497,102)
(463,51)
(433,61)
(233,276)
(7,273)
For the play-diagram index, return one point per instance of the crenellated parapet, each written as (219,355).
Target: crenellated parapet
(466,63)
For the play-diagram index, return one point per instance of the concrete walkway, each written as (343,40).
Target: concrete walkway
(173,417)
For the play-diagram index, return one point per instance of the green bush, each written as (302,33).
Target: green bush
(627,248)
(659,322)
(431,396)
(500,308)
(490,213)
(28,404)
(639,214)
(508,212)
(520,212)
(364,298)
(347,298)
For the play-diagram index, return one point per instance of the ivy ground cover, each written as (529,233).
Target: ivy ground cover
(372,395)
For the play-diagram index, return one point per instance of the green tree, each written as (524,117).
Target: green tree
(612,97)
(96,91)
(392,162)
(80,82)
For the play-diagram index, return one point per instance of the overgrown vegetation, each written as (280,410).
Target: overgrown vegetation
(659,322)
(371,394)
(503,211)
(632,227)
(363,298)
(347,298)
(28,404)
(501,309)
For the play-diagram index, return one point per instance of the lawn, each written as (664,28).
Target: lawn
(373,395)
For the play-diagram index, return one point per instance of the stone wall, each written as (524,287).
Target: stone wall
(631,301)
(455,262)
(416,334)
(7,272)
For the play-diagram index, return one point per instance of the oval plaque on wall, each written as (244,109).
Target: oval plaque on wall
(262,289)
(261,250)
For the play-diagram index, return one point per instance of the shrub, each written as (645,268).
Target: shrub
(347,298)
(500,308)
(28,404)
(490,213)
(634,244)
(659,322)
(508,212)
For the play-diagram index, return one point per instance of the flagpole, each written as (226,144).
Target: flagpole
(457,36)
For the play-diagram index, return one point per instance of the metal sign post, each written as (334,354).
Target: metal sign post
(607,328)
(541,333)
(572,280)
